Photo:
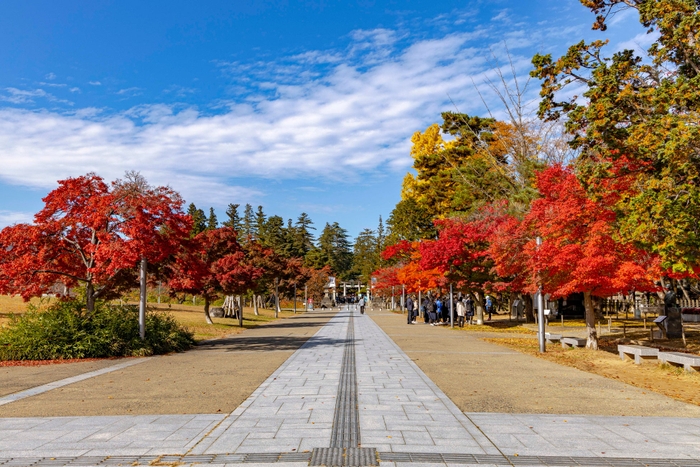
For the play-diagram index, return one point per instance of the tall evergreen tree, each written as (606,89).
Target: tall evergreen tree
(334,250)
(234,219)
(248,229)
(199,219)
(366,254)
(273,235)
(212,221)
(409,221)
(260,220)
(304,239)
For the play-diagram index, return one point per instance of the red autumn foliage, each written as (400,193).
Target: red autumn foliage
(92,233)
(211,264)
(579,251)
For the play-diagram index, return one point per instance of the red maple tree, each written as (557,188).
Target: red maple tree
(579,250)
(92,234)
(212,264)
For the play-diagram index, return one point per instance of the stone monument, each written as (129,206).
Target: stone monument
(673,322)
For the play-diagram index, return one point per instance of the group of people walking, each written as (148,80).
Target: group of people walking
(436,310)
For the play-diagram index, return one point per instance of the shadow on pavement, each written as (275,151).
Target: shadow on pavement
(267,343)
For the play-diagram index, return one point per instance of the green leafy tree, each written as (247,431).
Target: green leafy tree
(637,125)
(409,221)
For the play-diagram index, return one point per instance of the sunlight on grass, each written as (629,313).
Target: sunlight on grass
(663,379)
(188,315)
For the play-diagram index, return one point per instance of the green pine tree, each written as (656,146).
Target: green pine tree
(212,222)
(199,219)
(234,219)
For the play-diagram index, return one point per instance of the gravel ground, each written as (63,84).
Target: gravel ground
(215,377)
(484,377)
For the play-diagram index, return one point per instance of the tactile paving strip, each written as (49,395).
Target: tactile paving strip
(339,457)
(346,422)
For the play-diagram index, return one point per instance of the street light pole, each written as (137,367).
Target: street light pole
(452,315)
(540,309)
(142,302)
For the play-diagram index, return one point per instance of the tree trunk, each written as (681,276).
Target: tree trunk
(591,335)
(241,304)
(277,299)
(528,308)
(90,299)
(479,302)
(685,292)
(206,310)
(255,305)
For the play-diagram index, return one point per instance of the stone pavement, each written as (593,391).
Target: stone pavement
(349,396)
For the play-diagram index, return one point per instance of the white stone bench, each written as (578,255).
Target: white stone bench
(572,342)
(688,361)
(639,352)
(550,338)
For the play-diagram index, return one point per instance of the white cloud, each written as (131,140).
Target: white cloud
(95,83)
(75,90)
(50,76)
(327,114)
(639,43)
(134,91)
(14,217)
(21,96)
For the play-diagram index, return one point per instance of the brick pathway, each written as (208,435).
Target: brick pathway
(307,413)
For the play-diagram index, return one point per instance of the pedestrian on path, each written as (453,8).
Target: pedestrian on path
(469,307)
(361,304)
(461,313)
(489,306)
(432,315)
(409,309)
(439,309)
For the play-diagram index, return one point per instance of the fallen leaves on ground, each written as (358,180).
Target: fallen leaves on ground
(663,379)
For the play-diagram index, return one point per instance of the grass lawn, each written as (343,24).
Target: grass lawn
(192,317)
(189,316)
(15,305)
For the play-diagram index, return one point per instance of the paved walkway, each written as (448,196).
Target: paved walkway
(349,396)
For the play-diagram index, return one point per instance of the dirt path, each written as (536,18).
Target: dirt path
(483,377)
(215,377)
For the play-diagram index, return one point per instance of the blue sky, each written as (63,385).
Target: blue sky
(298,106)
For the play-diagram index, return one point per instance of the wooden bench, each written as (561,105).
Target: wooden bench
(688,361)
(639,352)
(567,342)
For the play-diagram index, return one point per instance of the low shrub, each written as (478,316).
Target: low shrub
(64,331)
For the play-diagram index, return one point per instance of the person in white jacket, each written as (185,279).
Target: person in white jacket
(461,313)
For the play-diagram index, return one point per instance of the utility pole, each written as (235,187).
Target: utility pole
(403,298)
(142,302)
(452,315)
(540,308)
(306,301)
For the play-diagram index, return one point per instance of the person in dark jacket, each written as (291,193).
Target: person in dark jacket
(409,309)
(469,305)
(432,315)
